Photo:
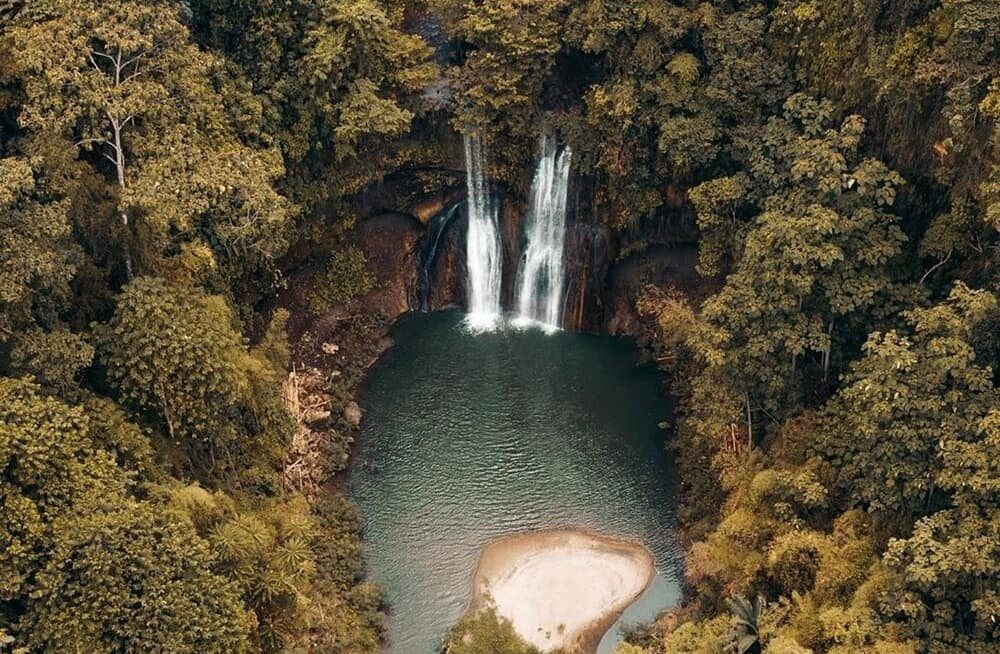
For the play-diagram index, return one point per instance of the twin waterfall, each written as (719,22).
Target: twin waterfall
(540,274)
(483,248)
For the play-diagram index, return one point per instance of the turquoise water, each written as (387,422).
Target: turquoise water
(468,438)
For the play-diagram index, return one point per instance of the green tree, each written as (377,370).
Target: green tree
(39,257)
(345,277)
(50,469)
(745,636)
(926,71)
(679,76)
(113,432)
(912,396)
(724,209)
(268,553)
(486,632)
(52,357)
(815,261)
(173,355)
(350,607)
(84,565)
(121,84)
(38,263)
(337,79)
(126,577)
(497,90)
(949,566)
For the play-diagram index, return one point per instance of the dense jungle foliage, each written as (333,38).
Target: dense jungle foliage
(161,159)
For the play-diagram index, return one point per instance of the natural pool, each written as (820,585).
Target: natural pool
(468,438)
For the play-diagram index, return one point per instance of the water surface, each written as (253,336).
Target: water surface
(469,438)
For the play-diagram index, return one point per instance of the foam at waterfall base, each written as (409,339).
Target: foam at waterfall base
(522,323)
(485,323)
(480,322)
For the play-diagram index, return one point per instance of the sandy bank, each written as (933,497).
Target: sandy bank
(562,588)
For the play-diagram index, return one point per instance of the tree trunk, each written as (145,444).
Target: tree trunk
(826,352)
(116,126)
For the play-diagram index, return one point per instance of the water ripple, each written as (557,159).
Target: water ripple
(473,437)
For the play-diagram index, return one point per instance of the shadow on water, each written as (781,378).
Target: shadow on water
(471,438)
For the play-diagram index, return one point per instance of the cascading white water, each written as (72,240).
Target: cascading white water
(540,275)
(483,254)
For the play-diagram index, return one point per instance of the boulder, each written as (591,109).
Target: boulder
(353,414)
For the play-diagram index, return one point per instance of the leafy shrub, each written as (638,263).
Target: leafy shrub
(485,632)
(345,277)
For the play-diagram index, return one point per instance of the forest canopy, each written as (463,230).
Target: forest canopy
(167,165)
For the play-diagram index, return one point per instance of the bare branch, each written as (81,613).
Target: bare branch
(132,60)
(91,140)
(935,267)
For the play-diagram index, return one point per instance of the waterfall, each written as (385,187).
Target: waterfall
(540,276)
(483,254)
(436,229)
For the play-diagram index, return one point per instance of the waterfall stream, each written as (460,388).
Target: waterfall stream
(436,229)
(541,274)
(483,252)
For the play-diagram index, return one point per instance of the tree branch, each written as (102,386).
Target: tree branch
(935,267)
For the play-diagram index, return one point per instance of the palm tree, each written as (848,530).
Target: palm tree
(744,637)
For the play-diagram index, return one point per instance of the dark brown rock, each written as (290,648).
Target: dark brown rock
(432,205)
(389,242)
(660,265)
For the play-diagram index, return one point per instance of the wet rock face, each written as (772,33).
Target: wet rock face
(419,257)
(512,215)
(446,274)
(443,254)
(436,204)
(660,265)
(588,255)
(389,242)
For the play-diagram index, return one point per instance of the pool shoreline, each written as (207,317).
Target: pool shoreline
(505,562)
(468,440)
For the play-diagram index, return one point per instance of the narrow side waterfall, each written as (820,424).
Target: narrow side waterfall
(483,253)
(436,229)
(540,275)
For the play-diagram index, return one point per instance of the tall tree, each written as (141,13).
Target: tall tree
(50,468)
(174,357)
(38,263)
(126,577)
(85,566)
(122,84)
(337,79)
(815,260)
(949,567)
(39,257)
(915,400)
